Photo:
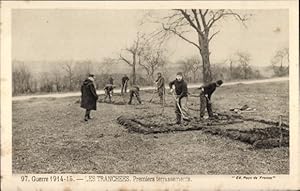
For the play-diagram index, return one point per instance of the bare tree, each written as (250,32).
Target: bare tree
(195,66)
(69,68)
(190,67)
(151,60)
(22,78)
(57,79)
(230,62)
(135,52)
(203,23)
(280,62)
(106,65)
(243,59)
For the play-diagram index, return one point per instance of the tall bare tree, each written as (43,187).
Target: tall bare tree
(135,52)
(203,23)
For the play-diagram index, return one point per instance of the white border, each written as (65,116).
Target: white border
(290,181)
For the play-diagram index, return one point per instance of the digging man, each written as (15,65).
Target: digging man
(134,91)
(108,92)
(205,97)
(181,91)
(160,83)
(89,96)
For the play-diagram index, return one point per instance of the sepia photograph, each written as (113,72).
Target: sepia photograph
(176,91)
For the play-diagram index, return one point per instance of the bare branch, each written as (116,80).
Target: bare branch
(211,37)
(125,60)
(180,35)
(196,17)
(188,18)
(206,11)
(221,13)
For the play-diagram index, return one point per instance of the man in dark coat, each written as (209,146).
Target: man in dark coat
(160,82)
(134,91)
(181,92)
(125,80)
(205,97)
(89,96)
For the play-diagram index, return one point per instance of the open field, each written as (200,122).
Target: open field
(50,136)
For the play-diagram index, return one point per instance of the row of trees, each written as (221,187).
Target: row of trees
(236,67)
(69,75)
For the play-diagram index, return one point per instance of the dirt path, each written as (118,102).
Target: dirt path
(72,94)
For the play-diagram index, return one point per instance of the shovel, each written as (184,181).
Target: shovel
(177,103)
(154,91)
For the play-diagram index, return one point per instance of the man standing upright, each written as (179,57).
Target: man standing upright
(160,82)
(89,96)
(205,97)
(181,92)
(125,80)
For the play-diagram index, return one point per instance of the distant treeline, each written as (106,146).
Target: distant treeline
(68,76)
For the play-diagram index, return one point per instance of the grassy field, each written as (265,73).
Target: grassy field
(50,136)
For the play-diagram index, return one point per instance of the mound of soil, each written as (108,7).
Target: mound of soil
(160,124)
(269,137)
(268,122)
(266,138)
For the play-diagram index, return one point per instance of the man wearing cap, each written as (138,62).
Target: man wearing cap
(181,92)
(160,82)
(205,97)
(89,96)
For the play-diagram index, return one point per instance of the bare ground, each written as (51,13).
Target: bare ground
(50,136)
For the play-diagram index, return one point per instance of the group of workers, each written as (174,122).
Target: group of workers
(178,89)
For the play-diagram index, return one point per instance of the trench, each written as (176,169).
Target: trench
(259,138)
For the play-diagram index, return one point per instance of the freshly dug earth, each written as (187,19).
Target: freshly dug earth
(260,138)
(148,124)
(50,136)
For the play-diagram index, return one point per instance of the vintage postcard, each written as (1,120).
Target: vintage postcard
(150,95)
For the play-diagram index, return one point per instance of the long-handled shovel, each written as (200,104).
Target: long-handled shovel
(178,105)
(154,91)
(163,104)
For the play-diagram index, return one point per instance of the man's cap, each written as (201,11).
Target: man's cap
(158,73)
(219,82)
(179,73)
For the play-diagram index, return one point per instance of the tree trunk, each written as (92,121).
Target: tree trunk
(133,69)
(204,52)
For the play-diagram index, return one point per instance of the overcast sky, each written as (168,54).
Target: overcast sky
(94,34)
